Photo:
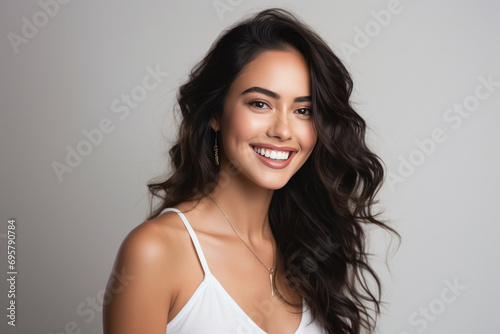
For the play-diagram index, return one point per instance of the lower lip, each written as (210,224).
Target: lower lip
(276,164)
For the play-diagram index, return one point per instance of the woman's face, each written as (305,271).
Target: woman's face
(266,125)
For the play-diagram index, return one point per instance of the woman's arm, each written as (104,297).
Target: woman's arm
(141,287)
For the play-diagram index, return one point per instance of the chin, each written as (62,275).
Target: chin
(272,184)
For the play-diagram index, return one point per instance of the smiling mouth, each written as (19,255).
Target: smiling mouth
(272,154)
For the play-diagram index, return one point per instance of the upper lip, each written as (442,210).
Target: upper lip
(275,148)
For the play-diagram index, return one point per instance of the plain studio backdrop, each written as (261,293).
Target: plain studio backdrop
(87,97)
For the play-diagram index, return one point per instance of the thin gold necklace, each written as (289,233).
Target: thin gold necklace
(270,270)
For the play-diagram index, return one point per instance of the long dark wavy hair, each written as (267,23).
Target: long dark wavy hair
(318,218)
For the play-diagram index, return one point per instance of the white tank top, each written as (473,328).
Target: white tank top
(211,310)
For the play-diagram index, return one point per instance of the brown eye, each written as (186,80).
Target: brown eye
(304,111)
(258,104)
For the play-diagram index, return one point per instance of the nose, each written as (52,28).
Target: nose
(279,127)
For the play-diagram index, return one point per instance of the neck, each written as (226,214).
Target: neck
(245,204)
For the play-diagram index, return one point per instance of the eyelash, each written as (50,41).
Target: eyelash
(254,104)
(308,110)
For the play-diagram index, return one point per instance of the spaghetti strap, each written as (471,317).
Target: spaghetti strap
(194,239)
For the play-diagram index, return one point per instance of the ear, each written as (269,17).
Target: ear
(214,124)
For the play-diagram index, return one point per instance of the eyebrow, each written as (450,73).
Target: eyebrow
(274,95)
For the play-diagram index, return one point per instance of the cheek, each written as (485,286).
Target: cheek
(307,136)
(242,125)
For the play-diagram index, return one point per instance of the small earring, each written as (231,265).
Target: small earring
(216,149)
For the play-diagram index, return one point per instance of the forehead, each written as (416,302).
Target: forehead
(284,72)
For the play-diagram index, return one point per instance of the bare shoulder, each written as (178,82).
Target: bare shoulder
(146,278)
(154,240)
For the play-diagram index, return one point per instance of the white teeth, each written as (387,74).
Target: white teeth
(275,155)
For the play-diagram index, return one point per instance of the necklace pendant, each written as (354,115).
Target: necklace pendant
(271,281)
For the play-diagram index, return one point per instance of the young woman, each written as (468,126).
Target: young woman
(260,224)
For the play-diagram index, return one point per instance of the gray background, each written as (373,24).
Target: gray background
(64,79)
